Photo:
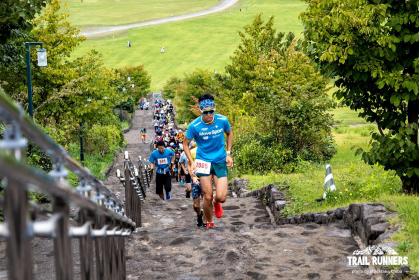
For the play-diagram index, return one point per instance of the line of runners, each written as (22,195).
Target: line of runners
(200,158)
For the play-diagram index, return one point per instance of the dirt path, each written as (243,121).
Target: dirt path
(244,244)
(106,30)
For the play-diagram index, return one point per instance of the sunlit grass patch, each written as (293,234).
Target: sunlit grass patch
(115,12)
(205,42)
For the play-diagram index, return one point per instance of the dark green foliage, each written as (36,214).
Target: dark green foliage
(371,50)
(255,153)
(60,39)
(277,84)
(259,43)
(88,99)
(16,16)
(170,88)
(274,97)
(15,25)
(127,105)
(133,82)
(36,157)
(189,90)
(103,139)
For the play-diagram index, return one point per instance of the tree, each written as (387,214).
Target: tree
(272,94)
(15,25)
(370,49)
(60,38)
(277,84)
(16,16)
(170,88)
(88,99)
(187,91)
(297,109)
(132,83)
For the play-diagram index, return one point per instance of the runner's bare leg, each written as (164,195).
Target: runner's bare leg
(207,189)
(221,189)
(197,205)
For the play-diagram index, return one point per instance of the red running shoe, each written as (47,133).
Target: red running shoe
(218,210)
(209,225)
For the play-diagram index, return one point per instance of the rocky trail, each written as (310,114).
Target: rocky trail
(244,244)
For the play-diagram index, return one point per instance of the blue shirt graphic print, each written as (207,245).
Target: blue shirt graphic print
(210,138)
(162,161)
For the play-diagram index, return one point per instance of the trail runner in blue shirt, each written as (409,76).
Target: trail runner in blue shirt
(212,159)
(163,159)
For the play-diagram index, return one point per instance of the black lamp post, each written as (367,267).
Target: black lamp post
(42,62)
(82,155)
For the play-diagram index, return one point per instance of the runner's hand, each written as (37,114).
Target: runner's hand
(229,161)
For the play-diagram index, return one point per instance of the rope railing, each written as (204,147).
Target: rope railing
(135,181)
(101,224)
(145,171)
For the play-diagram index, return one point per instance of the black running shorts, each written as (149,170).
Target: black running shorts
(163,181)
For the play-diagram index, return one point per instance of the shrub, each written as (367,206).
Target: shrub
(127,105)
(260,154)
(103,139)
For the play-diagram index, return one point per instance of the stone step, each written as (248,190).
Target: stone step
(243,245)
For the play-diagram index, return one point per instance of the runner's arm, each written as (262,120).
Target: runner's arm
(187,150)
(229,140)
(173,162)
(229,159)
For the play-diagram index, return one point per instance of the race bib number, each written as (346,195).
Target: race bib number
(162,161)
(203,167)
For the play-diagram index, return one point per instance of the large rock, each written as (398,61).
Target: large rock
(275,194)
(375,231)
(353,213)
(239,186)
(308,217)
(339,212)
(279,204)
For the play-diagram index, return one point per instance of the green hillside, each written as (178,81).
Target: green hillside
(205,42)
(115,12)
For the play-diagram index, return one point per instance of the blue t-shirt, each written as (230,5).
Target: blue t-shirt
(162,161)
(210,138)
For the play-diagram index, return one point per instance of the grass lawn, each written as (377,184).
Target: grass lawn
(205,42)
(85,13)
(345,117)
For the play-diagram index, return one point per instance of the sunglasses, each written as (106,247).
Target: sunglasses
(208,112)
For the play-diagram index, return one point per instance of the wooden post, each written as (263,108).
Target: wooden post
(128,193)
(62,242)
(100,244)
(19,253)
(86,248)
